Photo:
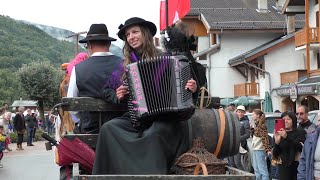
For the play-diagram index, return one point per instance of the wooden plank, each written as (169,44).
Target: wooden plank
(232,174)
(89,104)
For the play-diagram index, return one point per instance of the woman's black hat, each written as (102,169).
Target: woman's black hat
(97,32)
(136,21)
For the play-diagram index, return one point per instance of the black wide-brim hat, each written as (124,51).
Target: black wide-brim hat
(136,21)
(97,32)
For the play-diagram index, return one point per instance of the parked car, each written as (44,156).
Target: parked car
(246,158)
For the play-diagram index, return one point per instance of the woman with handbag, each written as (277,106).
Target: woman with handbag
(5,122)
(288,146)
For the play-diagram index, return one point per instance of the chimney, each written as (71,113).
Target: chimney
(262,6)
(290,23)
(156,41)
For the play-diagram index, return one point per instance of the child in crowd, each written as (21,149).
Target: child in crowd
(2,143)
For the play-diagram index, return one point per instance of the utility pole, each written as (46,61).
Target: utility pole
(77,39)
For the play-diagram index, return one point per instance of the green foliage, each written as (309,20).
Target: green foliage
(14,136)
(8,84)
(20,44)
(39,81)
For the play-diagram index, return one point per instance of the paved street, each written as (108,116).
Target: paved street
(33,163)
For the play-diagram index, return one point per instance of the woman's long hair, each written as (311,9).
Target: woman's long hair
(262,119)
(149,50)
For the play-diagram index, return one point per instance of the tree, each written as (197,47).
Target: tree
(9,86)
(40,81)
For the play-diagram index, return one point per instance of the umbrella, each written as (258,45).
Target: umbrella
(267,106)
(73,151)
(245,101)
(226,101)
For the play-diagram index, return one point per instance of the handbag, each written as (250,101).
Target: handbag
(8,141)
(10,126)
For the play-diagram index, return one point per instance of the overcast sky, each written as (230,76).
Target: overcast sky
(77,16)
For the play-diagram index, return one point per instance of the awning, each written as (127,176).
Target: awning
(308,86)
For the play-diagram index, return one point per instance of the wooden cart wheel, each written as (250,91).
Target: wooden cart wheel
(203,167)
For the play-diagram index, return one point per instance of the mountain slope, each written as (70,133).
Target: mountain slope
(61,34)
(21,43)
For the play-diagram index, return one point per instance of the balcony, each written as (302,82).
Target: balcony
(301,37)
(246,89)
(293,76)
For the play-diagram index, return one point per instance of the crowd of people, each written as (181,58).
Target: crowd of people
(19,122)
(293,148)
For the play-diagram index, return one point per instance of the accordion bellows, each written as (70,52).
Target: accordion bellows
(157,86)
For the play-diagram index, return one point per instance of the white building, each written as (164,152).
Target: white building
(228,30)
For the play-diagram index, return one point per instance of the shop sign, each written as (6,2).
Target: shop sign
(294,90)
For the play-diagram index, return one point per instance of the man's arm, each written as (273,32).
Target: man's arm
(73,89)
(302,166)
(73,92)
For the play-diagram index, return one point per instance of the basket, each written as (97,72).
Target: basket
(187,162)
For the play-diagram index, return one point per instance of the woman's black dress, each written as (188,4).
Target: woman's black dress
(122,149)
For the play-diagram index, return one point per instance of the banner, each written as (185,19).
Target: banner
(177,9)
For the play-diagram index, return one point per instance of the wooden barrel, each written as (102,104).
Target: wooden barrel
(219,129)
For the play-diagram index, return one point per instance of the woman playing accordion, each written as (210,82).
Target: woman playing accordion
(161,136)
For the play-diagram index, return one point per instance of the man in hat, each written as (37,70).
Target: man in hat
(235,161)
(232,107)
(99,76)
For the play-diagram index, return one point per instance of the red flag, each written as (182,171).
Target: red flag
(177,9)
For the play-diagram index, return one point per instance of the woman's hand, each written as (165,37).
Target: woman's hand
(191,85)
(269,153)
(276,137)
(283,133)
(121,92)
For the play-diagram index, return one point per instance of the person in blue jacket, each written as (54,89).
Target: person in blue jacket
(309,164)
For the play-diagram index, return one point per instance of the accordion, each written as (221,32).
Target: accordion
(157,86)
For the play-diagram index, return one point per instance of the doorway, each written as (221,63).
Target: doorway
(310,102)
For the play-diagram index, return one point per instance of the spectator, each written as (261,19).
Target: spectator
(20,126)
(232,107)
(50,124)
(2,144)
(304,122)
(235,161)
(35,126)
(5,107)
(7,128)
(31,125)
(288,146)
(260,145)
(309,164)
